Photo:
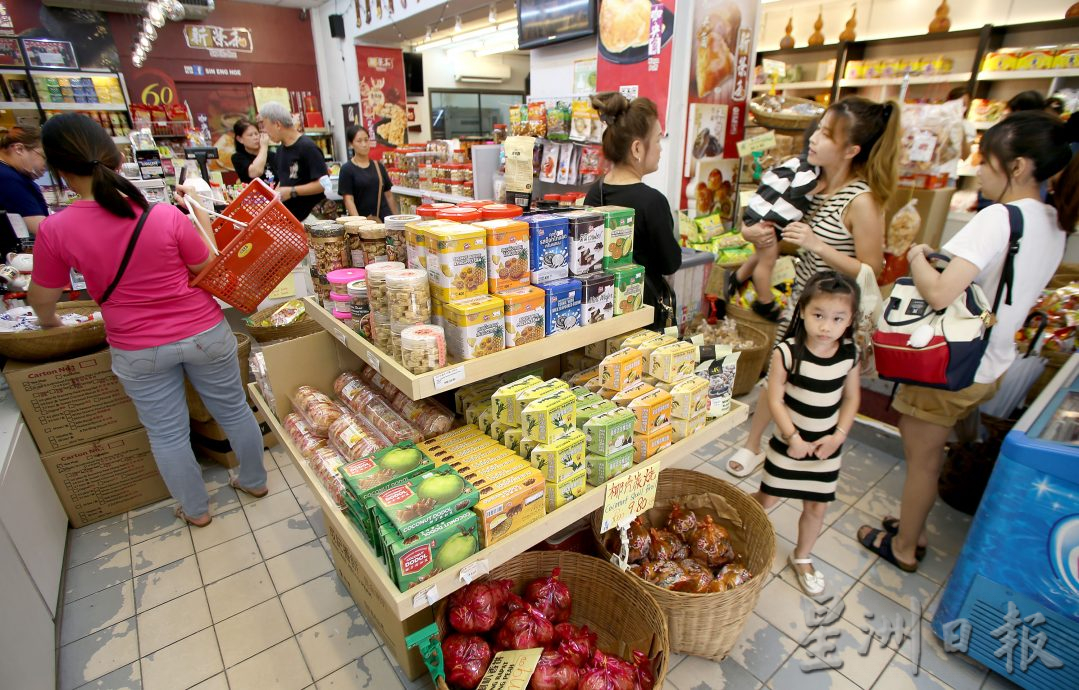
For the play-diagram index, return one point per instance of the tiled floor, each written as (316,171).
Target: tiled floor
(252,601)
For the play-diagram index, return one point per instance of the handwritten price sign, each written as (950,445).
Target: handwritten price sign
(629,495)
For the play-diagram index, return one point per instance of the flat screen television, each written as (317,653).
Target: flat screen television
(543,22)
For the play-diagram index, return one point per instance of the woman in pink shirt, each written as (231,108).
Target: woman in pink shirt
(137,259)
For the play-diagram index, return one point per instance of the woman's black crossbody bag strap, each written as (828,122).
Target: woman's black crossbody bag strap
(127,256)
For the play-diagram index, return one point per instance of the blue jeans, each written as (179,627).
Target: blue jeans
(154,379)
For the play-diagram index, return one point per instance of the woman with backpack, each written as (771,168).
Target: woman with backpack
(1020,153)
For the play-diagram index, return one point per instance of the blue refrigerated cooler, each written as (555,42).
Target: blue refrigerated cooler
(1021,556)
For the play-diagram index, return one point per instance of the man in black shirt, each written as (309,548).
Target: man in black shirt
(299,161)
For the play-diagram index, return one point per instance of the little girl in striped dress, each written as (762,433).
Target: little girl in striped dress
(813,394)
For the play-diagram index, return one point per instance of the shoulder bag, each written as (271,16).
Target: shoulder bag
(127,256)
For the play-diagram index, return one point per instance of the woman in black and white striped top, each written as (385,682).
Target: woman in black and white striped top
(813,394)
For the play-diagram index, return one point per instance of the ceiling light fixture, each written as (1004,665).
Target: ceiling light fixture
(492,14)
(174,10)
(149,30)
(470,35)
(432,44)
(457,25)
(497,48)
(427,36)
(155,14)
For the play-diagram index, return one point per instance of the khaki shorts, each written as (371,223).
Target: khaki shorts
(941,407)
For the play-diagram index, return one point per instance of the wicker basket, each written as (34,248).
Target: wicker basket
(56,343)
(782,120)
(195,407)
(614,606)
(265,334)
(709,625)
(752,361)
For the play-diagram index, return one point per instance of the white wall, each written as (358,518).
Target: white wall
(438,71)
(338,81)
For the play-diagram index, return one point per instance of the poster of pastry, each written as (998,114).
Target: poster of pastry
(714,188)
(706,125)
(635,49)
(382,96)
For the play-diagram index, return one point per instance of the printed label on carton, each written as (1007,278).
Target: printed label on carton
(585,241)
(562,305)
(620,369)
(457,262)
(617,235)
(610,431)
(653,410)
(550,417)
(647,445)
(603,468)
(549,251)
(562,492)
(503,513)
(561,458)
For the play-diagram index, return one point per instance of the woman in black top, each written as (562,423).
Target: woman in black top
(631,144)
(364,184)
(253,157)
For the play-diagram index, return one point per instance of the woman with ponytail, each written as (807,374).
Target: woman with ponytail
(1020,154)
(137,259)
(855,147)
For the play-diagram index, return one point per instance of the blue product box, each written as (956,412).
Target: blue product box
(548,247)
(562,305)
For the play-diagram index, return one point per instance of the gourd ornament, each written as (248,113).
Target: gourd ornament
(941,22)
(817,38)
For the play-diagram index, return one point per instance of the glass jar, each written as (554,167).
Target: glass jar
(396,236)
(409,297)
(423,348)
(373,242)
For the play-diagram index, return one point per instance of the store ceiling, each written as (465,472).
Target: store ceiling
(473,14)
(308,4)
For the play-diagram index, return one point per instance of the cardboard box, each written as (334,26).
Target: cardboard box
(73,402)
(105,477)
(210,441)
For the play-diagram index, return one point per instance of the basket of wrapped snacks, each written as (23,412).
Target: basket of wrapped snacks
(22,339)
(196,409)
(573,606)
(753,344)
(785,112)
(703,552)
(281,322)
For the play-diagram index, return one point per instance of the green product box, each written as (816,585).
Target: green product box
(589,411)
(415,559)
(581,392)
(603,468)
(610,431)
(374,471)
(618,222)
(426,499)
(628,288)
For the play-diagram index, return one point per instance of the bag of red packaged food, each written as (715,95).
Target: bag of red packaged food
(711,543)
(576,644)
(510,604)
(554,672)
(666,546)
(524,629)
(465,658)
(681,522)
(607,672)
(550,597)
(473,609)
(645,680)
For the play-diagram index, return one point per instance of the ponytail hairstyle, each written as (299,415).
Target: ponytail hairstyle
(1046,141)
(874,127)
(824,283)
(626,122)
(76,145)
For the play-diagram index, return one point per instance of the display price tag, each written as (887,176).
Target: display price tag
(629,495)
(450,377)
(340,334)
(373,360)
(473,570)
(761,142)
(427,597)
(510,670)
(629,91)
(287,288)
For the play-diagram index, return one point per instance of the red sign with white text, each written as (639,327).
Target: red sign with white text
(382,96)
(635,52)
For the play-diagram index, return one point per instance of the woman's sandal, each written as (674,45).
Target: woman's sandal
(884,549)
(811,583)
(747,460)
(234,483)
(891,526)
(192,521)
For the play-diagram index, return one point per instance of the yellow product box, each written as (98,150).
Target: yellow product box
(854,70)
(475,409)
(438,313)
(647,445)
(416,241)
(689,397)
(493,472)
(561,458)
(498,429)
(634,339)
(1000,60)
(621,368)
(608,394)
(584,376)
(524,308)
(475,327)
(504,512)
(594,385)
(561,493)
(527,446)
(512,438)
(484,421)
(533,393)
(671,362)
(653,411)
(507,254)
(478,456)
(652,380)
(503,398)
(649,346)
(457,262)
(463,444)
(526,475)
(469,394)
(632,392)
(1067,57)
(890,67)
(550,417)
(872,69)
(1036,58)
(687,427)
(461,432)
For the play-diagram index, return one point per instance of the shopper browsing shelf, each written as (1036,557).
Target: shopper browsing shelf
(363,183)
(631,144)
(299,161)
(22,162)
(159,328)
(253,157)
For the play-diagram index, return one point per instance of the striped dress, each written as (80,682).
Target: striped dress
(812,397)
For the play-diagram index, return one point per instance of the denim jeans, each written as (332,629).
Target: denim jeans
(154,379)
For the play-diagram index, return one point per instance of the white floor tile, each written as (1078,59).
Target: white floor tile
(373,670)
(786,608)
(97,612)
(704,674)
(166,583)
(838,544)
(955,670)
(182,664)
(83,580)
(900,676)
(898,585)
(315,601)
(149,508)
(102,542)
(306,498)
(279,537)
(252,631)
(790,675)
(271,509)
(329,645)
(124,678)
(280,667)
(239,592)
(153,523)
(96,655)
(292,476)
(161,550)
(94,526)
(215,476)
(762,649)
(226,559)
(275,483)
(218,682)
(299,565)
(223,499)
(172,621)
(225,526)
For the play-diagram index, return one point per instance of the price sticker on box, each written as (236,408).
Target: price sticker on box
(761,142)
(628,495)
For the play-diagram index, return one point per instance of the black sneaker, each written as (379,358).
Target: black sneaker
(733,285)
(770,311)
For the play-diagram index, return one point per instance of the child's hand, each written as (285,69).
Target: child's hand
(828,445)
(798,449)
(802,235)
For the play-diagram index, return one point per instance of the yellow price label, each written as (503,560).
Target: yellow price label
(761,142)
(287,288)
(628,495)
(510,670)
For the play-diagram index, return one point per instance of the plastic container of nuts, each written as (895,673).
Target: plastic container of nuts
(396,236)
(381,333)
(360,308)
(327,243)
(340,279)
(377,292)
(353,239)
(373,243)
(423,348)
(409,297)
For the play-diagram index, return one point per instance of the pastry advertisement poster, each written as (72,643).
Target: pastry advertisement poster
(382,96)
(720,82)
(635,49)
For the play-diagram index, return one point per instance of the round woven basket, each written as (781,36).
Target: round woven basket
(265,334)
(709,625)
(782,120)
(751,361)
(195,407)
(616,607)
(56,343)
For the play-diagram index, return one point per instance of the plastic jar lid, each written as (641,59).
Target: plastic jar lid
(408,279)
(398,222)
(478,203)
(344,276)
(373,232)
(326,230)
(500,211)
(459,214)
(378,270)
(357,288)
(342,315)
(429,210)
(352,219)
(353,227)
(338,297)
(552,197)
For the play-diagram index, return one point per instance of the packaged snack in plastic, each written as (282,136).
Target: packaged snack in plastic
(354,437)
(316,408)
(666,546)
(904,228)
(301,434)
(365,402)
(682,522)
(428,416)
(698,577)
(324,462)
(711,544)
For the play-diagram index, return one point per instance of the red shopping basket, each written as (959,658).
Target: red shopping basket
(257,259)
(256,196)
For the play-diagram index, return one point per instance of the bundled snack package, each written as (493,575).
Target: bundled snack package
(903,229)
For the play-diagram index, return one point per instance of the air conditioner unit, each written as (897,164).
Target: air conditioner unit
(480,72)
(193,9)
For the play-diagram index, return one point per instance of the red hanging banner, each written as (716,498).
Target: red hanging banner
(635,50)
(382,96)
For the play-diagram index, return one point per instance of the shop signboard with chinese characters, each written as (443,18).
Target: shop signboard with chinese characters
(720,80)
(635,50)
(382,96)
(219,41)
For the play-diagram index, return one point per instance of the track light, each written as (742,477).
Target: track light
(492,14)
(174,10)
(149,30)
(427,36)
(155,14)
(457,25)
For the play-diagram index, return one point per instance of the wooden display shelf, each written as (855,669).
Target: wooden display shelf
(951,78)
(1006,75)
(794,85)
(404,605)
(437,196)
(119,107)
(417,386)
